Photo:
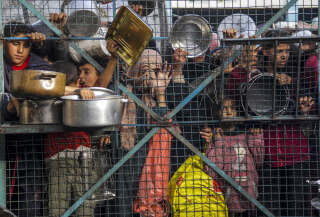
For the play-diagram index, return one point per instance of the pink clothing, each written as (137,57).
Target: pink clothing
(309,78)
(285,145)
(238,156)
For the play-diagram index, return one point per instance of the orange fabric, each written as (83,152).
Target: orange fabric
(152,198)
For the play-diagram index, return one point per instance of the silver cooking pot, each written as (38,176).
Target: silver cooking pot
(40,111)
(105,110)
(83,17)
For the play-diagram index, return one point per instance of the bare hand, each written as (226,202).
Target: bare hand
(179,58)
(112,47)
(256,131)
(13,106)
(104,140)
(161,81)
(59,20)
(37,37)
(218,133)
(306,103)
(229,33)
(206,134)
(87,94)
(283,79)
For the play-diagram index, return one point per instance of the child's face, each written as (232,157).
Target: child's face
(282,55)
(228,109)
(88,75)
(18,51)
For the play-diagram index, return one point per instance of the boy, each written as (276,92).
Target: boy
(18,56)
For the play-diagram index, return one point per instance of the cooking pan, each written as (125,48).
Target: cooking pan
(37,84)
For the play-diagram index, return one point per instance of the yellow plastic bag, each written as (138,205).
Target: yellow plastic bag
(193,193)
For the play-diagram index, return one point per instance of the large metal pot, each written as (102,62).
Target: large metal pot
(105,110)
(40,111)
(37,84)
(83,17)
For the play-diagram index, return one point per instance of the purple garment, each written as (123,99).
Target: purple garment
(238,156)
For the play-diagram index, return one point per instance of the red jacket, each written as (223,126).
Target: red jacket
(285,145)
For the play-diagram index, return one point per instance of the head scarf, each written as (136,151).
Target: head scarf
(149,56)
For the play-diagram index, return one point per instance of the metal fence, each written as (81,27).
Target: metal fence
(228,128)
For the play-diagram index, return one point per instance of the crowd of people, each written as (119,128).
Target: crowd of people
(270,160)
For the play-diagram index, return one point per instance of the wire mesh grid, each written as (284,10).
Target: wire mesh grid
(255,119)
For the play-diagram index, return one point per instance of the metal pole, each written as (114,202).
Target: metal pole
(2,137)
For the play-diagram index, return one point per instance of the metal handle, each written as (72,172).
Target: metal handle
(45,76)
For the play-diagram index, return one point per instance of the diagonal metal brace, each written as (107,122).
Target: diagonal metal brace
(136,148)
(60,34)
(220,172)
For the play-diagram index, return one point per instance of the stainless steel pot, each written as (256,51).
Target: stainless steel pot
(37,84)
(99,112)
(83,17)
(40,112)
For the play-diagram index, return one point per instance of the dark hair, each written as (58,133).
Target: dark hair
(14,28)
(274,33)
(67,67)
(102,61)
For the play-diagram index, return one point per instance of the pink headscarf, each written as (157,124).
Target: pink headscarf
(148,56)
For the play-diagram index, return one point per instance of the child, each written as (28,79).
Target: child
(286,146)
(18,55)
(66,152)
(238,155)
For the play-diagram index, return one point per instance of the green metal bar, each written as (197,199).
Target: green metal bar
(218,70)
(87,57)
(46,128)
(281,12)
(111,171)
(2,137)
(42,18)
(59,33)
(220,172)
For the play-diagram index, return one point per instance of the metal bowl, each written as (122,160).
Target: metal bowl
(191,33)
